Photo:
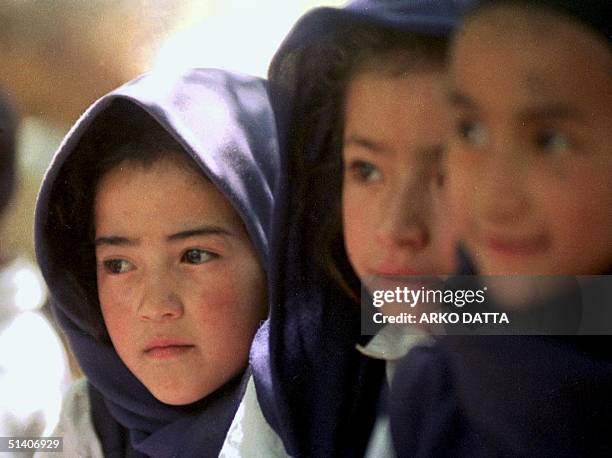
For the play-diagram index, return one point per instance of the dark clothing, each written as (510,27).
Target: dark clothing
(530,395)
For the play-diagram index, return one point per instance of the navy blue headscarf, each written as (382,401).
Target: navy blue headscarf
(315,389)
(225,123)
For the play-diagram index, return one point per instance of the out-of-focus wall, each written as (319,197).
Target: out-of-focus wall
(58,56)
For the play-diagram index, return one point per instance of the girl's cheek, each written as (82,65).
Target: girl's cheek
(236,286)
(119,292)
(461,187)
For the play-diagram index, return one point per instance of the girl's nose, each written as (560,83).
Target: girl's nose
(160,300)
(501,190)
(403,220)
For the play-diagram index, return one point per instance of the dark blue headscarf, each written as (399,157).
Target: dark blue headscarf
(225,123)
(315,389)
(595,14)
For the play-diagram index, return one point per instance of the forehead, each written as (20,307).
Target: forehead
(541,54)
(400,107)
(163,191)
(533,23)
(175,170)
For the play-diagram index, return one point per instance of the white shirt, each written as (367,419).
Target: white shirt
(391,344)
(250,435)
(76,426)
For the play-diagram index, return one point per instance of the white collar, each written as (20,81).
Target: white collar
(393,342)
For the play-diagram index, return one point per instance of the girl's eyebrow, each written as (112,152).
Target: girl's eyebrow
(115,240)
(365,143)
(550,111)
(461,100)
(543,111)
(199,231)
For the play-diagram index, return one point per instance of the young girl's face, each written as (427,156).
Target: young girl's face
(530,165)
(394,214)
(180,285)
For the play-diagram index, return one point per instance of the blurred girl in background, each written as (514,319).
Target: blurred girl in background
(361,108)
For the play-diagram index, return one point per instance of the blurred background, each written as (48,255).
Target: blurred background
(58,57)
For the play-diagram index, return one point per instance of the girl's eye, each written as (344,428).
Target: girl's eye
(117,266)
(364,172)
(552,141)
(196,256)
(473,132)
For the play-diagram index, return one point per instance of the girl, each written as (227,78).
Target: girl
(359,97)
(531,87)
(152,231)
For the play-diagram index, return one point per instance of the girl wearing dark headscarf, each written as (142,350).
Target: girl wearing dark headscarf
(152,232)
(358,94)
(529,171)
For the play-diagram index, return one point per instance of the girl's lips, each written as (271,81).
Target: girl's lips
(390,271)
(163,348)
(391,277)
(167,352)
(516,246)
